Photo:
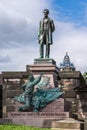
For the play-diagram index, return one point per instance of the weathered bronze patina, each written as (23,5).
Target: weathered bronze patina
(46,28)
(40,98)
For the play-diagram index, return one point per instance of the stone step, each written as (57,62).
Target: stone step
(68,124)
(5,121)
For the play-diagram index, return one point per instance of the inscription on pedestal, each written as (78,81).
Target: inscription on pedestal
(59,115)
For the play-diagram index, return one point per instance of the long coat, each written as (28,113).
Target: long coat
(45,37)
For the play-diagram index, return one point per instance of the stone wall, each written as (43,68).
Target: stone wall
(0,101)
(12,82)
(82,103)
(75,93)
(0,95)
(71,79)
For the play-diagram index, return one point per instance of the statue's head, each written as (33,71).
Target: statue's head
(31,77)
(46,12)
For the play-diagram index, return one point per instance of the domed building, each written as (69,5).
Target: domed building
(70,77)
(66,65)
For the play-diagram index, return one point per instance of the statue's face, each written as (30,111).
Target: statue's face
(45,14)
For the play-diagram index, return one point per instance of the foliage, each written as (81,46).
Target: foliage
(85,75)
(19,127)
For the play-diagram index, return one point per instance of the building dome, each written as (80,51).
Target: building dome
(66,65)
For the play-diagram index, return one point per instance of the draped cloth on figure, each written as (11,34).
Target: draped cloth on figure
(41,97)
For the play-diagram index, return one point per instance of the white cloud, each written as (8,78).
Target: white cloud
(72,39)
(18,32)
(19,21)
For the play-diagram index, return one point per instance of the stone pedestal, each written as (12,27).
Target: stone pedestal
(44,118)
(48,66)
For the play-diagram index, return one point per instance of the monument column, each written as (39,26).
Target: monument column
(48,66)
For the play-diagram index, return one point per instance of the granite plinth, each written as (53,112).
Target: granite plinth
(53,111)
(50,69)
(41,119)
(44,61)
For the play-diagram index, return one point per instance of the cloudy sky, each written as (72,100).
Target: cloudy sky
(19,20)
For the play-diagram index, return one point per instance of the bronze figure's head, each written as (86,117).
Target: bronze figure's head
(46,12)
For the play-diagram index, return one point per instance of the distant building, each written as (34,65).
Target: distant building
(68,74)
(67,65)
(74,88)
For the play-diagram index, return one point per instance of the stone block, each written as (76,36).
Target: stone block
(68,124)
(85,124)
(70,94)
(9,101)
(5,121)
(13,93)
(12,86)
(49,71)
(13,75)
(41,119)
(10,108)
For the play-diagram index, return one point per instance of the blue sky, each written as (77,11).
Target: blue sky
(19,21)
(71,10)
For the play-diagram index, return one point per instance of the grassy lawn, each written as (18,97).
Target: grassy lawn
(19,127)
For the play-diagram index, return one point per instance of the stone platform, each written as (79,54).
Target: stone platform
(48,66)
(44,61)
(68,124)
(41,119)
(52,112)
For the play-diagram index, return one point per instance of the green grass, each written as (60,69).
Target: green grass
(19,127)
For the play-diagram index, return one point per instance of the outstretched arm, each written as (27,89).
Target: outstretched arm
(37,80)
(23,86)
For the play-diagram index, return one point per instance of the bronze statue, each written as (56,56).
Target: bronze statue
(46,28)
(28,88)
(39,98)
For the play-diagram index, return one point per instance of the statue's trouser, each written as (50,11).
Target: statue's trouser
(45,41)
(28,100)
(42,50)
(36,103)
(27,103)
(47,51)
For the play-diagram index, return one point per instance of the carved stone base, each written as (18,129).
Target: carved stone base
(41,119)
(44,118)
(48,66)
